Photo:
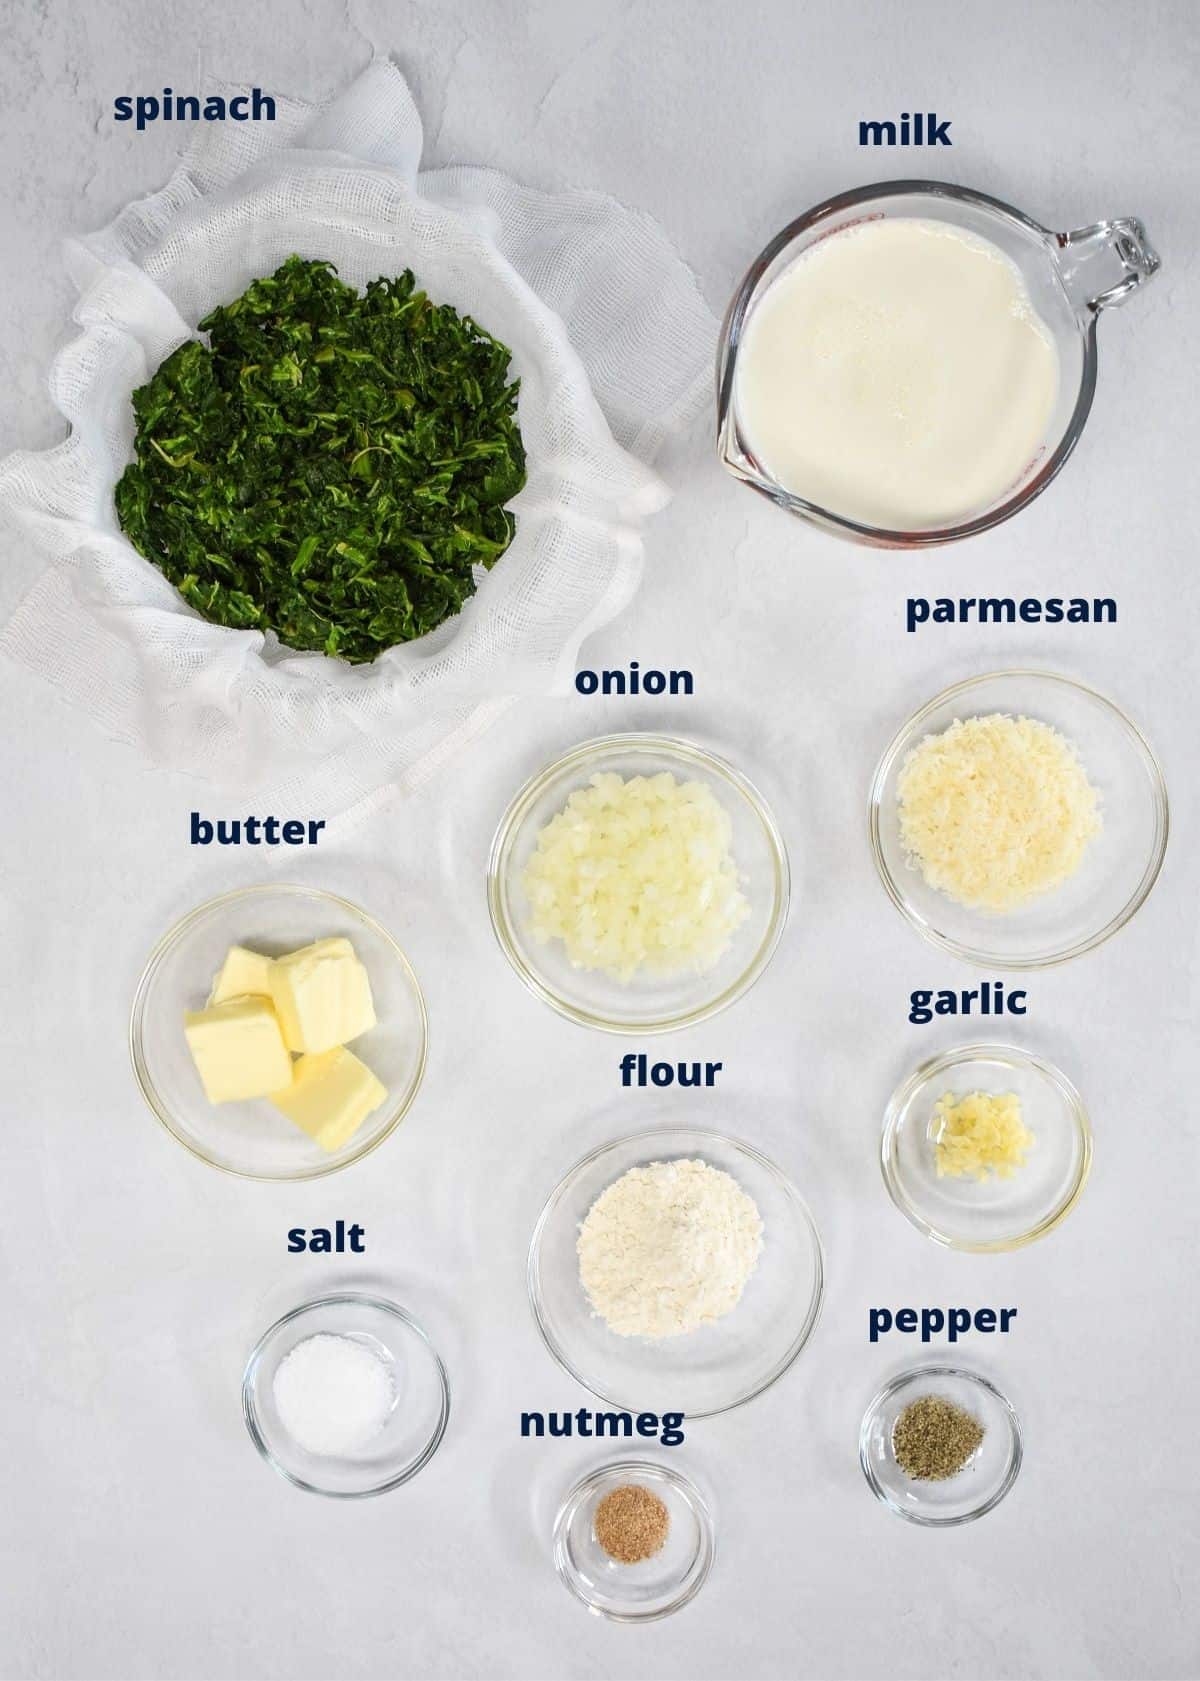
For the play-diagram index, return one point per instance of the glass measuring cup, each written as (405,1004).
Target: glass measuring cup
(1071,278)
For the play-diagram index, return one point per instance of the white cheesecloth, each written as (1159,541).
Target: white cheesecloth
(612,343)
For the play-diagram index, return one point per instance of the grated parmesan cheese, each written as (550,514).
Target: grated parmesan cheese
(996,811)
(668,1248)
(637,874)
(978,1135)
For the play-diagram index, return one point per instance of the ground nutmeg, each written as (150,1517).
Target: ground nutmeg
(631,1524)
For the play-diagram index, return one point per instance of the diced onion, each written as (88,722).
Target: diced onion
(637,875)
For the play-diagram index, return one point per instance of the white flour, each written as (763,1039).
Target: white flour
(668,1248)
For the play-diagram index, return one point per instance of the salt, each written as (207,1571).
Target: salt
(333,1394)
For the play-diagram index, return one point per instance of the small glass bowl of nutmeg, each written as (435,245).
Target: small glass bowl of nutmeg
(633,1541)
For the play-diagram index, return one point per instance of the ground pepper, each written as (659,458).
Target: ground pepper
(933,1439)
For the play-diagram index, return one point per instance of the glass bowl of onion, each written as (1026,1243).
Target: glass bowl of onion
(638,884)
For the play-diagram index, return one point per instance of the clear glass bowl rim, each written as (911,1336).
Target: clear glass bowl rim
(935,1371)
(149,969)
(344,1298)
(974,954)
(949,1059)
(735,315)
(667,745)
(634,1469)
(798,1343)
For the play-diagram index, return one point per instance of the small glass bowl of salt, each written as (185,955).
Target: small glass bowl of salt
(346,1396)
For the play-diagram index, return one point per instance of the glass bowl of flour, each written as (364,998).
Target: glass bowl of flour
(676,1270)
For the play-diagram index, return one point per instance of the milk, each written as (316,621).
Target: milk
(897,374)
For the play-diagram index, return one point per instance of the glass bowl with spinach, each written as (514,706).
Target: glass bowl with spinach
(331,465)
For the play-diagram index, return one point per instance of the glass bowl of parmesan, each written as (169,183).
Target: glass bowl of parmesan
(638,884)
(1018,819)
(675,1271)
(986,1148)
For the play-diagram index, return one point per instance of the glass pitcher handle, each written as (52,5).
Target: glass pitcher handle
(1119,249)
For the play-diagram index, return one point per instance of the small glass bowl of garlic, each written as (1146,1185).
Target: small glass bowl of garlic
(638,884)
(986,1148)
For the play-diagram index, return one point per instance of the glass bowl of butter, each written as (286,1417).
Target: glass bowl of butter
(278,1032)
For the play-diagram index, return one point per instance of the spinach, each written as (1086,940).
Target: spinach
(329,465)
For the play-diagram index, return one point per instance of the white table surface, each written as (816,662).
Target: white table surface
(140,1535)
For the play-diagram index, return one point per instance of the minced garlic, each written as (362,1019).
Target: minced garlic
(635,875)
(996,811)
(978,1135)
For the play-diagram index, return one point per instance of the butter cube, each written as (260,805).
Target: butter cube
(322,995)
(244,974)
(330,1096)
(238,1049)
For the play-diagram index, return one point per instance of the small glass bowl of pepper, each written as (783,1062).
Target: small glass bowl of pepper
(940,1445)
